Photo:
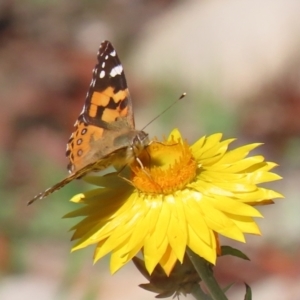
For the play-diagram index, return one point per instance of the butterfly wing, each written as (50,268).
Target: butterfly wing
(107,108)
(106,114)
(65,181)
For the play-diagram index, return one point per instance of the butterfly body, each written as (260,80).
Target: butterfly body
(104,132)
(127,146)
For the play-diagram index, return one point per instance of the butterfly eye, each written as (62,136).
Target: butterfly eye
(140,141)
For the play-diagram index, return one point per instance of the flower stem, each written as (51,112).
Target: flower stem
(203,269)
(199,294)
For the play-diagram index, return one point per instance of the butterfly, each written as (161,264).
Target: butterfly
(104,132)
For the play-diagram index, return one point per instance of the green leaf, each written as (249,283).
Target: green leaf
(227,250)
(225,289)
(248,295)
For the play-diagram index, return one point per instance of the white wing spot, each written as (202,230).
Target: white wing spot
(103,65)
(82,110)
(116,71)
(102,74)
(93,82)
(106,57)
(113,53)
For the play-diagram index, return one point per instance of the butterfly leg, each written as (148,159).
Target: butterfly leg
(140,163)
(126,179)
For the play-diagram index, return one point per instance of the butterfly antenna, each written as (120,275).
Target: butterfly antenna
(181,97)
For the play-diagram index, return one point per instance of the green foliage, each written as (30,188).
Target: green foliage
(227,250)
(248,295)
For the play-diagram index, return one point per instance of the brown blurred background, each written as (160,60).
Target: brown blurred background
(238,61)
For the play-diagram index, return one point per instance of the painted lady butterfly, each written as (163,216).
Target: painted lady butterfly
(104,133)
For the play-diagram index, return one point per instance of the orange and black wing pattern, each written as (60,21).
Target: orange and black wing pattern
(107,103)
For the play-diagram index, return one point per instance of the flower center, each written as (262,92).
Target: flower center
(168,167)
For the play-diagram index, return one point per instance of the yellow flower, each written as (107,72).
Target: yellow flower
(183,197)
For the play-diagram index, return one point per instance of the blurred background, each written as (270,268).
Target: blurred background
(238,61)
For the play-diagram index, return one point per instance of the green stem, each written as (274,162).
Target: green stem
(199,294)
(203,269)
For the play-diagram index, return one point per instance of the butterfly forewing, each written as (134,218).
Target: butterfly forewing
(97,166)
(108,97)
(107,105)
